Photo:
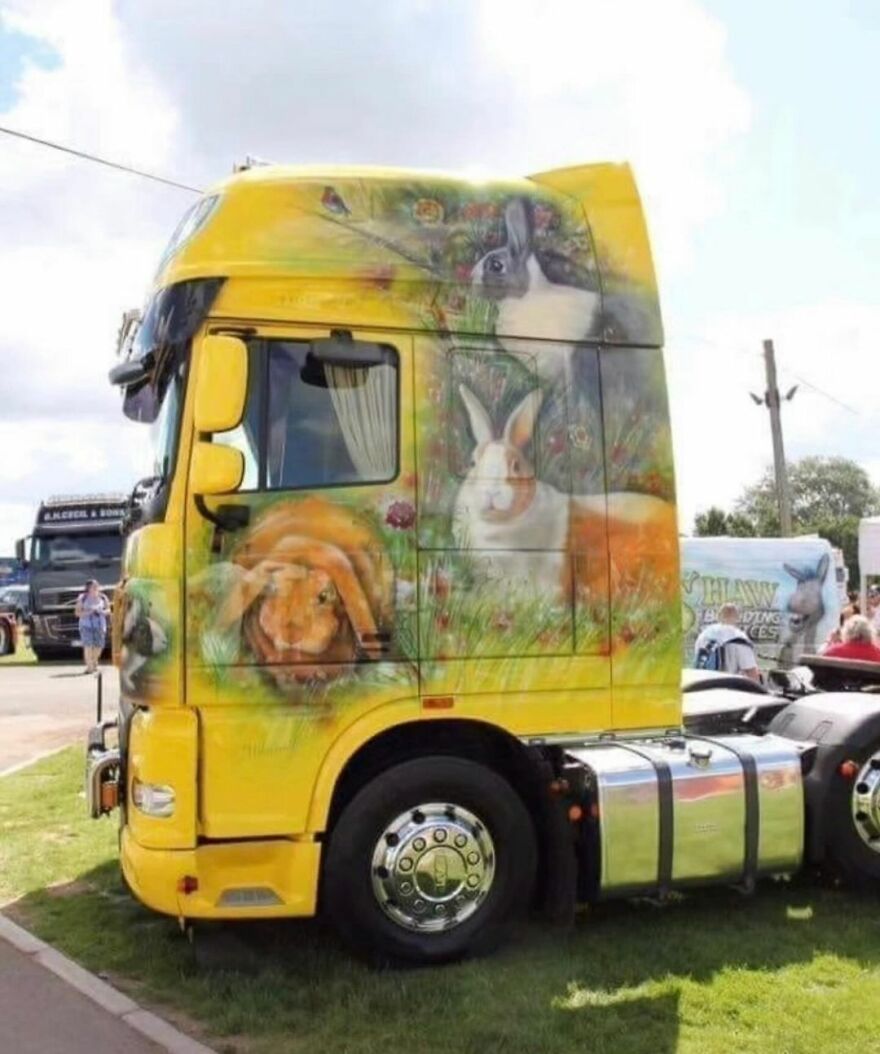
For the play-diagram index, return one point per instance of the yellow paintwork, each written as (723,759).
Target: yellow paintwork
(247,768)
(215,469)
(290,869)
(162,750)
(221,387)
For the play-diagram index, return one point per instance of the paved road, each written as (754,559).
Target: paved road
(46,706)
(40,1014)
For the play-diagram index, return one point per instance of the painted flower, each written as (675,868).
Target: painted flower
(556,443)
(400,515)
(439,584)
(544,217)
(428,211)
(580,437)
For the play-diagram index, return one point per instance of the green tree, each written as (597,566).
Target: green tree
(715,522)
(829,495)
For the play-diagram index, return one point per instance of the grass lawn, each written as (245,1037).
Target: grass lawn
(794,969)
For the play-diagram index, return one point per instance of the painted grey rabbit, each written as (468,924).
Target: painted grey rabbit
(546,296)
(537,298)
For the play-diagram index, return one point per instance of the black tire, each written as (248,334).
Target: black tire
(44,654)
(5,639)
(848,854)
(347,895)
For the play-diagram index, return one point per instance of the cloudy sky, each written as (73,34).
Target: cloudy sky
(750,125)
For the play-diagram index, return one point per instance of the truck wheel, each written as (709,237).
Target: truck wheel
(853,821)
(43,654)
(429,862)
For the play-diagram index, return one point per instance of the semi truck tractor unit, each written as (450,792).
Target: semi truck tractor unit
(399,631)
(75,538)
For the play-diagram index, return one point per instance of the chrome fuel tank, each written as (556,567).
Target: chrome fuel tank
(688,811)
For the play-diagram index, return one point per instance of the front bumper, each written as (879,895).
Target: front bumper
(228,880)
(55,631)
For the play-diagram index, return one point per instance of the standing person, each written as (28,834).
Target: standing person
(724,646)
(92,609)
(858,642)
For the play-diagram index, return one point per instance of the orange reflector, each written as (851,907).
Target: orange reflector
(438,702)
(188,884)
(849,769)
(109,796)
(575,813)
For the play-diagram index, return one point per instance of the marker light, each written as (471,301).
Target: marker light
(153,799)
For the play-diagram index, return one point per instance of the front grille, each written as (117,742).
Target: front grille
(61,599)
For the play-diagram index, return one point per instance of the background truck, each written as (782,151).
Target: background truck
(75,538)
(400,630)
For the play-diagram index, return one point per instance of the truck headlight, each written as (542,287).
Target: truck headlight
(153,799)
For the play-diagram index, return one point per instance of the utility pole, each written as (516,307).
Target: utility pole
(772,401)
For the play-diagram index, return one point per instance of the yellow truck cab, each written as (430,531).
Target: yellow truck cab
(407,564)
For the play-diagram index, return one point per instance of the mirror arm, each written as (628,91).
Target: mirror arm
(227,518)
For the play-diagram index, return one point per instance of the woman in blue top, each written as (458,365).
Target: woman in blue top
(92,609)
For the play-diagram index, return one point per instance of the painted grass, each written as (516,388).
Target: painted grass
(795,969)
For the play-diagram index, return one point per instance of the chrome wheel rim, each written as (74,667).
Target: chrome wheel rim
(433,866)
(866,803)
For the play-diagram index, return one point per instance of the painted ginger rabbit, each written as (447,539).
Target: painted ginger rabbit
(312,590)
(526,530)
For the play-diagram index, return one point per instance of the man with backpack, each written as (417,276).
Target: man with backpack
(724,646)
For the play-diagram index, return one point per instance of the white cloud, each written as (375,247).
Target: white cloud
(80,243)
(722,439)
(185,89)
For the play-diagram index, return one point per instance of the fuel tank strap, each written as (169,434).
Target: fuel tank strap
(666,816)
(753,805)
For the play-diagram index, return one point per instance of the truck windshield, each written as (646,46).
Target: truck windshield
(164,429)
(63,550)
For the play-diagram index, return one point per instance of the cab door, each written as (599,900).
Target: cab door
(513,555)
(301,587)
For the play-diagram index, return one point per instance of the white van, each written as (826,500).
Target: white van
(785,588)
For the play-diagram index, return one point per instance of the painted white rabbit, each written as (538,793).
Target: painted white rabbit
(502,506)
(525,529)
(536,300)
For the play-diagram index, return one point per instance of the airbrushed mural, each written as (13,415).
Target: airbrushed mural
(526,537)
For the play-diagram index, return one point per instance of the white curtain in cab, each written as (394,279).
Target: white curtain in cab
(365,401)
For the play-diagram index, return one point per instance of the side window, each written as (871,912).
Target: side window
(316,420)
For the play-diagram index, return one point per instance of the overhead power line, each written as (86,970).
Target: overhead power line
(98,160)
(820,391)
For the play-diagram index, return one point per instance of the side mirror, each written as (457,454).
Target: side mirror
(221,384)
(20,554)
(215,469)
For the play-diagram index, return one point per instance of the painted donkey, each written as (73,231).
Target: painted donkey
(805,609)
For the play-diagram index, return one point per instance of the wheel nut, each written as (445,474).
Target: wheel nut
(406,887)
(406,864)
(473,858)
(460,841)
(439,909)
(473,881)
(419,844)
(439,835)
(419,905)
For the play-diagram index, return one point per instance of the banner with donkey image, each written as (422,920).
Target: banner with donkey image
(785,590)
